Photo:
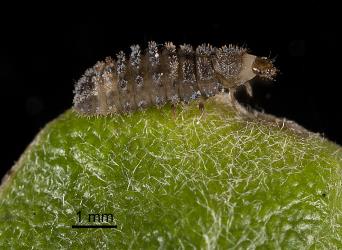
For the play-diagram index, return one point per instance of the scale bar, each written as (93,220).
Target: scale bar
(94,226)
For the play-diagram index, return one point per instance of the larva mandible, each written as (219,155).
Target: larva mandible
(166,74)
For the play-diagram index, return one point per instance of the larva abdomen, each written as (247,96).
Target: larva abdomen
(165,74)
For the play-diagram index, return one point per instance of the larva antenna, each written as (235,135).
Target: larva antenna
(274,58)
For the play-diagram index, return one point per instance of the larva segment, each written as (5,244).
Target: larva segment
(100,88)
(155,73)
(142,97)
(188,88)
(110,82)
(228,62)
(125,84)
(85,99)
(206,80)
(142,83)
(170,64)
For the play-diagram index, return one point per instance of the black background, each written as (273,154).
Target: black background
(43,54)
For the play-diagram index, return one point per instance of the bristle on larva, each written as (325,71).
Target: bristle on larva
(165,74)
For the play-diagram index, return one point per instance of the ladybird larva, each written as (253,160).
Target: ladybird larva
(165,74)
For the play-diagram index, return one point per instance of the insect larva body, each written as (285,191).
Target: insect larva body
(161,75)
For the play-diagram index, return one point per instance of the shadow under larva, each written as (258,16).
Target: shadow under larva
(165,74)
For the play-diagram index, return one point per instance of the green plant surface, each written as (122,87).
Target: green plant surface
(174,181)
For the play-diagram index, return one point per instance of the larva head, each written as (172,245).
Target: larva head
(263,67)
(233,66)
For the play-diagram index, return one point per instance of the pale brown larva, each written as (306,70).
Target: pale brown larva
(165,74)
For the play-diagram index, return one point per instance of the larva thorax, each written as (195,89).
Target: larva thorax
(165,74)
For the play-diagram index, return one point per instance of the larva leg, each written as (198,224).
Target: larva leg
(201,106)
(249,89)
(235,104)
(231,96)
(173,107)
